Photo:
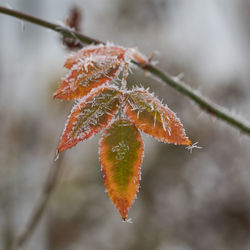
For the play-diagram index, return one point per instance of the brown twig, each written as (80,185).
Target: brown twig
(207,105)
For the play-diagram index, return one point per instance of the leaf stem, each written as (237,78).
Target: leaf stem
(206,104)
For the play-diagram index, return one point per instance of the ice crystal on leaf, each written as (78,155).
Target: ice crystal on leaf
(90,116)
(121,113)
(153,118)
(94,66)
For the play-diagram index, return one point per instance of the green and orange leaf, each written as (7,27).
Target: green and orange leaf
(121,152)
(153,118)
(90,116)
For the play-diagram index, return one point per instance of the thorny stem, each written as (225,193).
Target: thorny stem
(207,105)
(41,205)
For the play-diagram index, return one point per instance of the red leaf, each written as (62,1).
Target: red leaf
(90,116)
(121,152)
(153,118)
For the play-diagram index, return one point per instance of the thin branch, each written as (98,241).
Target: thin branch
(204,103)
(41,205)
(207,105)
(58,28)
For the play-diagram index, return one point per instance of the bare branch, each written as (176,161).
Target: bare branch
(207,105)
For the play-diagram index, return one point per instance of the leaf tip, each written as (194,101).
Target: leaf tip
(55,94)
(188,142)
(124,218)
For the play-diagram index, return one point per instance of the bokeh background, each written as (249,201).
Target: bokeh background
(198,201)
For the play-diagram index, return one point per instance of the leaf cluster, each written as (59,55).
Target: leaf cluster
(105,104)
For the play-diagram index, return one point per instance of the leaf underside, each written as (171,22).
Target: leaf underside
(90,116)
(121,152)
(153,118)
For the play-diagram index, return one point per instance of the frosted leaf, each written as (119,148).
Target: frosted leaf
(121,152)
(87,75)
(96,65)
(90,116)
(152,117)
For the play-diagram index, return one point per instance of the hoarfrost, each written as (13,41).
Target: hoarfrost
(121,149)
(191,147)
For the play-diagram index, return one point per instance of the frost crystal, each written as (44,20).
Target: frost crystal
(191,147)
(121,149)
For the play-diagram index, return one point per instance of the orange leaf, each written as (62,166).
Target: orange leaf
(90,116)
(110,51)
(121,152)
(94,66)
(87,75)
(153,118)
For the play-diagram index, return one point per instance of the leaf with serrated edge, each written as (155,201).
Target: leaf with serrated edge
(94,66)
(87,75)
(90,116)
(121,153)
(153,118)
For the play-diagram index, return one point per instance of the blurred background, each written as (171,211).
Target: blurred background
(198,201)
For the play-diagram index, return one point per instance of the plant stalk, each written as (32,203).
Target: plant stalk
(204,103)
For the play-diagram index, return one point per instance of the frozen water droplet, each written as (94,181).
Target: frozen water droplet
(57,156)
